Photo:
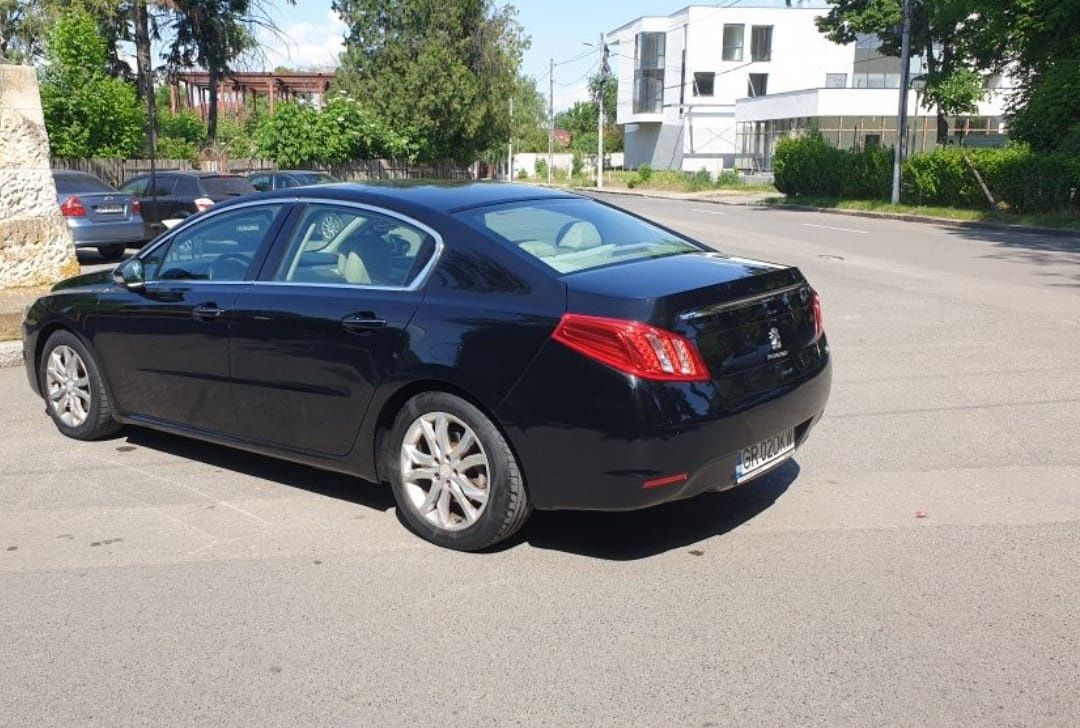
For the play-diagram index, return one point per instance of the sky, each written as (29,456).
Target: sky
(312,37)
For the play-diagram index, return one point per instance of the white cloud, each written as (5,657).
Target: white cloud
(304,45)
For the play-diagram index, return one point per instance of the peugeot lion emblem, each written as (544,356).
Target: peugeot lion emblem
(774,339)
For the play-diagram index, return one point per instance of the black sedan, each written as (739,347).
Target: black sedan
(485,349)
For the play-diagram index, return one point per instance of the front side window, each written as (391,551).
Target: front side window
(733,42)
(261,182)
(336,244)
(574,235)
(220,248)
(226,186)
(761,43)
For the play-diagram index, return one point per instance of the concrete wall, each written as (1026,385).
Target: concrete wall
(35,245)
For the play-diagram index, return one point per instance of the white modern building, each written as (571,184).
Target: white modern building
(713,87)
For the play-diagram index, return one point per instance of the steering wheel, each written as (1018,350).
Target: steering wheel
(229,267)
(330,225)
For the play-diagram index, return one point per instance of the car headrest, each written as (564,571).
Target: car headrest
(579,235)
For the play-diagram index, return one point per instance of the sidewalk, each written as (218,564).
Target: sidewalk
(712,197)
(773,199)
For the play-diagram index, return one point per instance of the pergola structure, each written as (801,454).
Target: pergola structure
(192,89)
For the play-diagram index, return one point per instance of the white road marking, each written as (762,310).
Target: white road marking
(707,212)
(830,227)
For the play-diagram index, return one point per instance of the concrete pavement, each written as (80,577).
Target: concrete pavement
(917,565)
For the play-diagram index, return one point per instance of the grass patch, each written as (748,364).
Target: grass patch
(669,180)
(1061,220)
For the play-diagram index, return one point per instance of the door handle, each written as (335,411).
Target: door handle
(361,322)
(207,312)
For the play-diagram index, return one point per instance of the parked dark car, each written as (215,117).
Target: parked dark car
(97,214)
(286,178)
(485,349)
(182,194)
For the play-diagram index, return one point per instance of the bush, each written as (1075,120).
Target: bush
(1024,181)
(811,166)
(698,181)
(576,164)
(728,178)
(522,174)
(541,168)
(185,126)
(645,172)
(173,148)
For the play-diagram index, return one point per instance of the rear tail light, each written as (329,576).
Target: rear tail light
(203,203)
(633,347)
(819,321)
(136,206)
(72,207)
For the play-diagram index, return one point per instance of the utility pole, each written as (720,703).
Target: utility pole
(901,121)
(602,48)
(510,146)
(551,118)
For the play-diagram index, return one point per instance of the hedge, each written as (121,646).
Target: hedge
(1022,180)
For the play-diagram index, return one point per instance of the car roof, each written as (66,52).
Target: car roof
(187,173)
(433,195)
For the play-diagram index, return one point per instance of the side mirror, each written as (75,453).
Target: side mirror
(130,275)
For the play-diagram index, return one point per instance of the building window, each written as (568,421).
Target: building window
(703,83)
(757,84)
(649,61)
(872,141)
(761,42)
(835,80)
(733,42)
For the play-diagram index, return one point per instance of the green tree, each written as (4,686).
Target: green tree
(87,112)
(1037,43)
(22,30)
(440,72)
(940,32)
(530,127)
(213,34)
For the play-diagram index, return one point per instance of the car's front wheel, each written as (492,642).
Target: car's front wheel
(74,391)
(455,479)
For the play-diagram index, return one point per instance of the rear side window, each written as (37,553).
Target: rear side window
(72,184)
(227,186)
(342,245)
(136,186)
(575,235)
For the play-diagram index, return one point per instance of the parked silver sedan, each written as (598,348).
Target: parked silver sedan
(99,216)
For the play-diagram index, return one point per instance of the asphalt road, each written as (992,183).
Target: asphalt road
(918,564)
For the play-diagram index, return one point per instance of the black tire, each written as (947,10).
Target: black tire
(99,421)
(112,252)
(507,506)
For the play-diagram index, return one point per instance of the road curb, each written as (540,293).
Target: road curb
(11,354)
(699,200)
(911,217)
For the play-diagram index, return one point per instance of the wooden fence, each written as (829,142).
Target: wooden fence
(118,171)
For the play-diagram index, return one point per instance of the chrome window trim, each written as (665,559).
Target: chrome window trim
(418,281)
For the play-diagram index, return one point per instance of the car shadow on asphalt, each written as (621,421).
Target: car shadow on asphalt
(632,535)
(323,482)
(624,536)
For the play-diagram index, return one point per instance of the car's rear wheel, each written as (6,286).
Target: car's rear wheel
(74,392)
(111,252)
(455,479)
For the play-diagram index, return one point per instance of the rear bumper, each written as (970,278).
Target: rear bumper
(589,438)
(89,234)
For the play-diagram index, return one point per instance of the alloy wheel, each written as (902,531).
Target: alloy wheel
(445,471)
(68,385)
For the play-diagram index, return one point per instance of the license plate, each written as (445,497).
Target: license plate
(760,456)
(109,209)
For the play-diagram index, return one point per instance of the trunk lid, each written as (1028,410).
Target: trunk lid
(741,314)
(106,206)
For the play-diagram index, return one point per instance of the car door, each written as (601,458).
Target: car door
(165,345)
(326,323)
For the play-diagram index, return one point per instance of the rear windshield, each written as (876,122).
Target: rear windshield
(227,186)
(575,235)
(314,178)
(73,184)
